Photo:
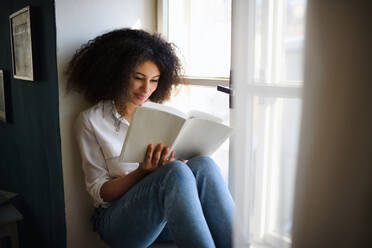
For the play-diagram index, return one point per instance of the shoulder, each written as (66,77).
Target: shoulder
(95,110)
(93,115)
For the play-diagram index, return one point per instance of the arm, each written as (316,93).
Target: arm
(93,161)
(99,184)
(114,188)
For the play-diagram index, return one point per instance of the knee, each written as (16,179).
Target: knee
(202,159)
(203,164)
(178,173)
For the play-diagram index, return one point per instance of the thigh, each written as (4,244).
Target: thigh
(137,218)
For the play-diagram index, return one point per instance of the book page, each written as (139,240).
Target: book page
(203,115)
(164,108)
(149,126)
(200,137)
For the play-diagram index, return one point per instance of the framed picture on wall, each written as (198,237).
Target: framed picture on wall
(20,33)
(2,98)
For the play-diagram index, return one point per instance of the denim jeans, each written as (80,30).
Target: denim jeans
(187,203)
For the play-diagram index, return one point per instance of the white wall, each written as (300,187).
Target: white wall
(76,23)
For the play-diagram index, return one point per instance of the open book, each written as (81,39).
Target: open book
(196,133)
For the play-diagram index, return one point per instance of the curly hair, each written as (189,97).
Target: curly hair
(101,69)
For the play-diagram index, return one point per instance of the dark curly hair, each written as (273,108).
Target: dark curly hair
(101,68)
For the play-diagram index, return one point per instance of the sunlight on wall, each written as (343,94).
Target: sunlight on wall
(137,24)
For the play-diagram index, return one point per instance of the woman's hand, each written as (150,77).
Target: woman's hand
(155,158)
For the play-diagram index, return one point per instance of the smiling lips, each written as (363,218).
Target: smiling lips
(140,96)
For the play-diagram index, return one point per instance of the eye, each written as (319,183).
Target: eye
(138,78)
(154,80)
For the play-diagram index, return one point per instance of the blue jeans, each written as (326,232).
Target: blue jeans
(187,203)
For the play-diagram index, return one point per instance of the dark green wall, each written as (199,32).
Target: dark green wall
(30,147)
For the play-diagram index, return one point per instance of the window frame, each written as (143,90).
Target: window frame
(163,28)
(250,182)
(270,84)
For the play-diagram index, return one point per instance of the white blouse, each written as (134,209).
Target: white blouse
(101,131)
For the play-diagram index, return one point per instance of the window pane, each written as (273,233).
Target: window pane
(201,29)
(276,123)
(279,41)
(206,99)
(259,68)
(293,34)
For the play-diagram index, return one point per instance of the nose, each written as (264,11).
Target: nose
(146,85)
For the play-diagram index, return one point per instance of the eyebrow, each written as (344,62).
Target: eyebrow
(145,75)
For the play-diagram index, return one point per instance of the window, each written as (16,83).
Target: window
(202,34)
(203,41)
(267,71)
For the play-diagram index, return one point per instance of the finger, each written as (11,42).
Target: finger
(149,152)
(163,155)
(156,155)
(147,161)
(171,157)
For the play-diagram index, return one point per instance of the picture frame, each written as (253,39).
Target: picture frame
(2,98)
(21,44)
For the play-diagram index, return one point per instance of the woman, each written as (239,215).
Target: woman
(158,199)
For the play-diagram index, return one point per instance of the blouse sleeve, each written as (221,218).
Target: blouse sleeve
(93,162)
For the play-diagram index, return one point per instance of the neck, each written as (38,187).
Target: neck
(125,109)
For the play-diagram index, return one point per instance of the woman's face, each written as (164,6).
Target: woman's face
(143,82)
